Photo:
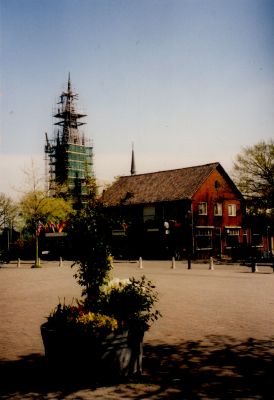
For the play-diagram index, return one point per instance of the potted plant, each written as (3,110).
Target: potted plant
(103,329)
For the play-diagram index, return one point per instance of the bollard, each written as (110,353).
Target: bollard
(18,263)
(189,263)
(173,263)
(60,262)
(211,264)
(254,267)
(140,263)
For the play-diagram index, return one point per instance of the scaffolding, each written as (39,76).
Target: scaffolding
(69,154)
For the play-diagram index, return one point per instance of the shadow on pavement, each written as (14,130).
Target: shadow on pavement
(217,367)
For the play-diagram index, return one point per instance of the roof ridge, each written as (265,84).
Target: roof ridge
(168,185)
(172,170)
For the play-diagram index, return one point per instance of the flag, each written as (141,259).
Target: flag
(52,226)
(61,226)
(39,227)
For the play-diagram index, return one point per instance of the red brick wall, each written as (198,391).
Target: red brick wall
(224,194)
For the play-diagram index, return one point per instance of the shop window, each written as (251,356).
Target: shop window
(203,239)
(232,237)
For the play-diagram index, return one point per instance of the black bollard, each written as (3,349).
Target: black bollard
(189,263)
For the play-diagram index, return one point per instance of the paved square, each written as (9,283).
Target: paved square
(216,334)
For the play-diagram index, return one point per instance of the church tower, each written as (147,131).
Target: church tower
(69,155)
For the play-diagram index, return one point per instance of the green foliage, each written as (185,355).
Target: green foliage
(131,302)
(254,175)
(76,318)
(38,206)
(128,302)
(63,315)
(7,211)
(88,232)
(97,323)
(119,304)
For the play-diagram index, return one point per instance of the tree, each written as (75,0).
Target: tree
(254,176)
(7,221)
(7,211)
(38,209)
(88,233)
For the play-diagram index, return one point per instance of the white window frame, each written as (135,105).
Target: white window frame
(231,210)
(202,208)
(218,209)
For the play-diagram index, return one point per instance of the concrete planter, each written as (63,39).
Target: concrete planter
(116,355)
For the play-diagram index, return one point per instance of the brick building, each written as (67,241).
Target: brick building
(195,211)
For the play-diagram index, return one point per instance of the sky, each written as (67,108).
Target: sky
(187,81)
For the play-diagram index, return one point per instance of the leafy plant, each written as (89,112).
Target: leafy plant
(131,302)
(106,305)
(89,237)
(74,317)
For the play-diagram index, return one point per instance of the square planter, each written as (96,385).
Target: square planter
(115,355)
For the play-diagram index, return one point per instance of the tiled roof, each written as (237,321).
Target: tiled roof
(177,184)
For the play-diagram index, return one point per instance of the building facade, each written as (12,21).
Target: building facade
(196,211)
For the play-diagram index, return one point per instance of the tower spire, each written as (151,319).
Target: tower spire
(69,84)
(133,168)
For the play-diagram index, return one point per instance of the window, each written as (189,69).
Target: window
(232,210)
(203,238)
(256,239)
(218,209)
(149,213)
(232,237)
(202,208)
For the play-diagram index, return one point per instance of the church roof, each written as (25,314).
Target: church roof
(161,186)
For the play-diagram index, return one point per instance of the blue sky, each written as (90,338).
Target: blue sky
(188,81)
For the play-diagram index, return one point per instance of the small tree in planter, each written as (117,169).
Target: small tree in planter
(104,328)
